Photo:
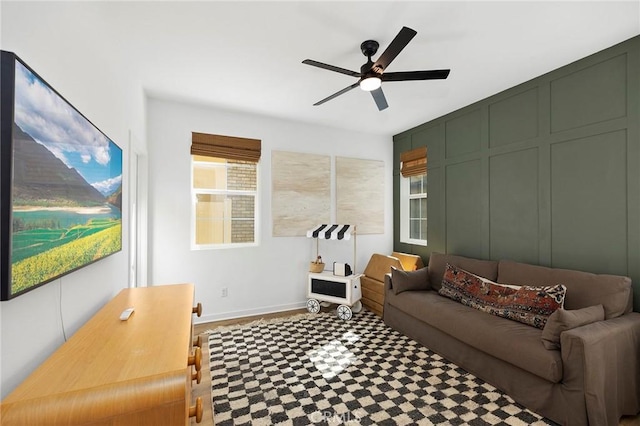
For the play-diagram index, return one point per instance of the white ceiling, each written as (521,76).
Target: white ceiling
(247,56)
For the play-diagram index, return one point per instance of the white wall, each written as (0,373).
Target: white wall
(272,276)
(68,46)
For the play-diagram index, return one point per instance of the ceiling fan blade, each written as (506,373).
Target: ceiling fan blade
(335,95)
(415,75)
(331,68)
(378,96)
(400,42)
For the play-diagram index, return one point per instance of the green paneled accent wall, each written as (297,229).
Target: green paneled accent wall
(547,172)
(514,119)
(513,203)
(463,203)
(463,134)
(589,190)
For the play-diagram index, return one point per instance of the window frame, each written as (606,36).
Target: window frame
(226,192)
(405,211)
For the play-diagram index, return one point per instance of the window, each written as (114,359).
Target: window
(413,209)
(413,197)
(224,202)
(224,199)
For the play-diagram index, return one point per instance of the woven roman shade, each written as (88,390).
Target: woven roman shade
(228,147)
(414,162)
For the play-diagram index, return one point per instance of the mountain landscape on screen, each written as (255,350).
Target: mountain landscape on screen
(39,177)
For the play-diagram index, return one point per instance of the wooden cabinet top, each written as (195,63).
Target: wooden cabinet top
(154,341)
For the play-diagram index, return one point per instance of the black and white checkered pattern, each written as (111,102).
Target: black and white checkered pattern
(322,370)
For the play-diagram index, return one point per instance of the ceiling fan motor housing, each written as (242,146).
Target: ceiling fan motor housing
(369,48)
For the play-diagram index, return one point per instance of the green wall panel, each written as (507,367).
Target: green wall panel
(546,172)
(514,119)
(429,137)
(462,134)
(464,209)
(589,190)
(513,205)
(591,95)
(399,146)
(435,212)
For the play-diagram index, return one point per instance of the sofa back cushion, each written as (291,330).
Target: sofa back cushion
(438,262)
(583,289)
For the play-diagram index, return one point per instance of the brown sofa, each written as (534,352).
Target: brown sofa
(379,265)
(593,379)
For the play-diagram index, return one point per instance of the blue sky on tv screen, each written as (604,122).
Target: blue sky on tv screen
(52,122)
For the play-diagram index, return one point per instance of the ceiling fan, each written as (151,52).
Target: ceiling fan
(372,74)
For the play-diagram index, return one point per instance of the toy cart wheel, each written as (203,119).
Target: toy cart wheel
(357,307)
(313,306)
(344,312)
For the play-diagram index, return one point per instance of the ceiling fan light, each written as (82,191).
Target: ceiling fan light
(370,84)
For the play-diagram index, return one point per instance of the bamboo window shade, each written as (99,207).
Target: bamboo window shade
(229,147)
(414,162)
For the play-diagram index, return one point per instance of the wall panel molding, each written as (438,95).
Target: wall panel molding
(514,119)
(589,203)
(594,94)
(463,134)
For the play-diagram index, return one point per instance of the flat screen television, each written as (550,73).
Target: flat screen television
(60,188)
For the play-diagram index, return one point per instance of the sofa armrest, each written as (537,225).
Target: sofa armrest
(388,282)
(605,357)
(388,294)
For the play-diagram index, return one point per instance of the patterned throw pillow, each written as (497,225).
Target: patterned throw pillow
(526,304)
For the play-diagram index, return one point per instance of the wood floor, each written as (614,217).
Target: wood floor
(203,389)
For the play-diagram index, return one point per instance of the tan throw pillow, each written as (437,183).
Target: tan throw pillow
(563,320)
(409,280)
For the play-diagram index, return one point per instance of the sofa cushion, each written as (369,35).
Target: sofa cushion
(438,262)
(379,265)
(511,341)
(409,280)
(583,289)
(563,320)
(528,305)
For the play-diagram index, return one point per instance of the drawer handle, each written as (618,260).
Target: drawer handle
(197,376)
(196,410)
(197,309)
(196,359)
(198,341)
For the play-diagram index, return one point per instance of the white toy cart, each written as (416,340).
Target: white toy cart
(328,288)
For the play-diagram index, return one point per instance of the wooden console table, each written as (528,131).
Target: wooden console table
(113,372)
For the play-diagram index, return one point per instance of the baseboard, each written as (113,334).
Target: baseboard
(249,312)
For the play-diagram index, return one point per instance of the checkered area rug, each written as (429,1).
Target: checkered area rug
(322,370)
